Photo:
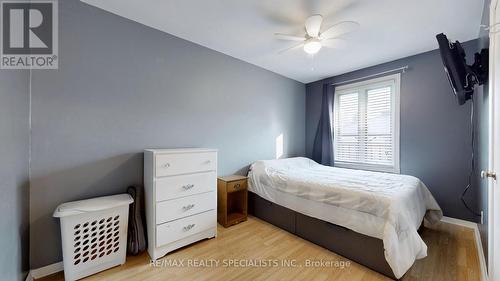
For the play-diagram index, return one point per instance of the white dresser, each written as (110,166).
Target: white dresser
(181,197)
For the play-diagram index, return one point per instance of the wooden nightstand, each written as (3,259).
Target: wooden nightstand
(232,194)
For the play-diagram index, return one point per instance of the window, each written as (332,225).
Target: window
(366,125)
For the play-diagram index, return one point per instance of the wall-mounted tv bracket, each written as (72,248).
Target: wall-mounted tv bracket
(477,73)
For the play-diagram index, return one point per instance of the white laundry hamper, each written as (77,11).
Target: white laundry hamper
(94,234)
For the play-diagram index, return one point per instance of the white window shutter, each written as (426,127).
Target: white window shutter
(347,148)
(378,127)
(366,129)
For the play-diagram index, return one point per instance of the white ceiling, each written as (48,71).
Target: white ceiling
(390,29)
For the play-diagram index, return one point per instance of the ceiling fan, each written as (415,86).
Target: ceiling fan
(314,39)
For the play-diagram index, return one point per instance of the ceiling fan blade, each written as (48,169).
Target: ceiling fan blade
(291,48)
(334,43)
(338,29)
(313,25)
(289,37)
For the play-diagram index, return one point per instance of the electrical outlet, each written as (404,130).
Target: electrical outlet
(482,217)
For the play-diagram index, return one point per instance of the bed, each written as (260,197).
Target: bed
(369,217)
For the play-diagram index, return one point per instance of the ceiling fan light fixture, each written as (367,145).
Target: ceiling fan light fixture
(314,40)
(312,47)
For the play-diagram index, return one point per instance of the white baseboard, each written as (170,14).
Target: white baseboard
(45,271)
(479,244)
(460,222)
(29,277)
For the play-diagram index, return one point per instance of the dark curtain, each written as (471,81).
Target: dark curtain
(323,141)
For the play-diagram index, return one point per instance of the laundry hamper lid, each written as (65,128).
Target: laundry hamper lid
(92,205)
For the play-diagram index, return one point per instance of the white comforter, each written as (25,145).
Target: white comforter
(386,206)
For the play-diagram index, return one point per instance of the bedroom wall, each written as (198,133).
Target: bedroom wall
(481,107)
(122,87)
(14,184)
(435,131)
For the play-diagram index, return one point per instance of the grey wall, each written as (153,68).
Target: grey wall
(434,132)
(122,87)
(481,107)
(14,148)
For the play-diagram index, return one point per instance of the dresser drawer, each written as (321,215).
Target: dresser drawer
(185,163)
(179,208)
(236,185)
(182,228)
(186,185)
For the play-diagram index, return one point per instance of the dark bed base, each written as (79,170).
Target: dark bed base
(357,247)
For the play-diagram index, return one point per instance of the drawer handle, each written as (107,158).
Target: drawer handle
(188,207)
(187,186)
(166,165)
(188,227)
(208,162)
(237,186)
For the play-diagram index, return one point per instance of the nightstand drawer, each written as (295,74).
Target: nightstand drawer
(179,229)
(236,185)
(186,185)
(185,163)
(179,208)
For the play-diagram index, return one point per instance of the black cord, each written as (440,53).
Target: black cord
(472,167)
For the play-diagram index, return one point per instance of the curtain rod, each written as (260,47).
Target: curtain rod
(403,69)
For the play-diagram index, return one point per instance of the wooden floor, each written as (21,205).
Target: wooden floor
(451,256)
